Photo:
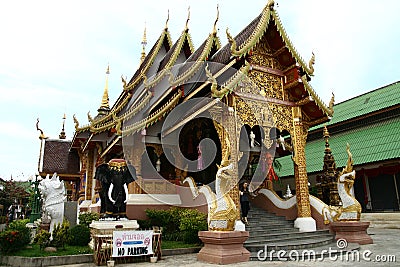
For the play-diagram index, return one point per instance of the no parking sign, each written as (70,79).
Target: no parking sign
(132,243)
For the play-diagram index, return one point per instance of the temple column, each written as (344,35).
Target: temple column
(135,159)
(231,131)
(304,221)
(82,184)
(89,175)
(97,184)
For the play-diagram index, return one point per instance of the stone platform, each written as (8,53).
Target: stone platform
(352,232)
(223,247)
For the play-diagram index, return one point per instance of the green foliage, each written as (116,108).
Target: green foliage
(144,224)
(178,224)
(86,218)
(35,251)
(13,190)
(42,238)
(79,235)
(15,236)
(60,234)
(192,221)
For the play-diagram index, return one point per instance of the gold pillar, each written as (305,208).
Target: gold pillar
(89,174)
(231,130)
(97,186)
(82,185)
(300,171)
(135,158)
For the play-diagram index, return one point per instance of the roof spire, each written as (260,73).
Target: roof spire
(41,136)
(188,18)
(105,105)
(62,133)
(216,20)
(143,43)
(271,4)
(166,22)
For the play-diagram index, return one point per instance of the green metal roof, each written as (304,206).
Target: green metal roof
(372,101)
(370,143)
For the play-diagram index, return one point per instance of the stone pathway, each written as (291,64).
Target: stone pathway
(386,246)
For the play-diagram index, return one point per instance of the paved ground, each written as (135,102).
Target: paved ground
(386,246)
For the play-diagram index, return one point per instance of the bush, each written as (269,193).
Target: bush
(15,236)
(178,224)
(60,234)
(79,235)
(191,222)
(42,238)
(86,218)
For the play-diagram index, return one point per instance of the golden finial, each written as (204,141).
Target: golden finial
(311,63)
(166,22)
(105,105)
(62,133)
(76,122)
(144,43)
(271,4)
(216,20)
(331,103)
(231,40)
(41,136)
(188,18)
(123,82)
(90,119)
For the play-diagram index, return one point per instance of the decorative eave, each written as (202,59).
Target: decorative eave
(228,86)
(171,58)
(327,110)
(149,60)
(254,38)
(154,117)
(211,41)
(309,69)
(246,47)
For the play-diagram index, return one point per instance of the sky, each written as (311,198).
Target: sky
(54,55)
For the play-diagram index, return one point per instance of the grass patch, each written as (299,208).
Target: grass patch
(34,251)
(177,244)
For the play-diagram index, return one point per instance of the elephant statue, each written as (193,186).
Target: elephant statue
(114,177)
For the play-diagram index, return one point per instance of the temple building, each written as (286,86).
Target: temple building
(370,123)
(55,156)
(251,98)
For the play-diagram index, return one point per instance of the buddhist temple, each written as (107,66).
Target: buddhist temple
(251,97)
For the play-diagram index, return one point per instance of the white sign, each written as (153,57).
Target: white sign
(132,243)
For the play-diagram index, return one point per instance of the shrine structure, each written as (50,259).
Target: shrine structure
(251,97)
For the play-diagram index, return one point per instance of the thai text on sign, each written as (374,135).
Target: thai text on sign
(132,243)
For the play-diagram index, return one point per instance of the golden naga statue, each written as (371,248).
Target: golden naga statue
(351,208)
(222,211)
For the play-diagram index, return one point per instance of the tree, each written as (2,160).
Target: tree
(13,191)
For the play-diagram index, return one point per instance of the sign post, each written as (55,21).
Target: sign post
(132,243)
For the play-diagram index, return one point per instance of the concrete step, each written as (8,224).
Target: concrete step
(277,239)
(387,220)
(264,224)
(281,230)
(275,232)
(300,243)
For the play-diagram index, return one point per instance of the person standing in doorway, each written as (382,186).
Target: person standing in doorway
(244,202)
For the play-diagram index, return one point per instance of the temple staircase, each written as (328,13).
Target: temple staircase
(277,233)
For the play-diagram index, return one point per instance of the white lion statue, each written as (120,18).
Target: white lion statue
(53,194)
